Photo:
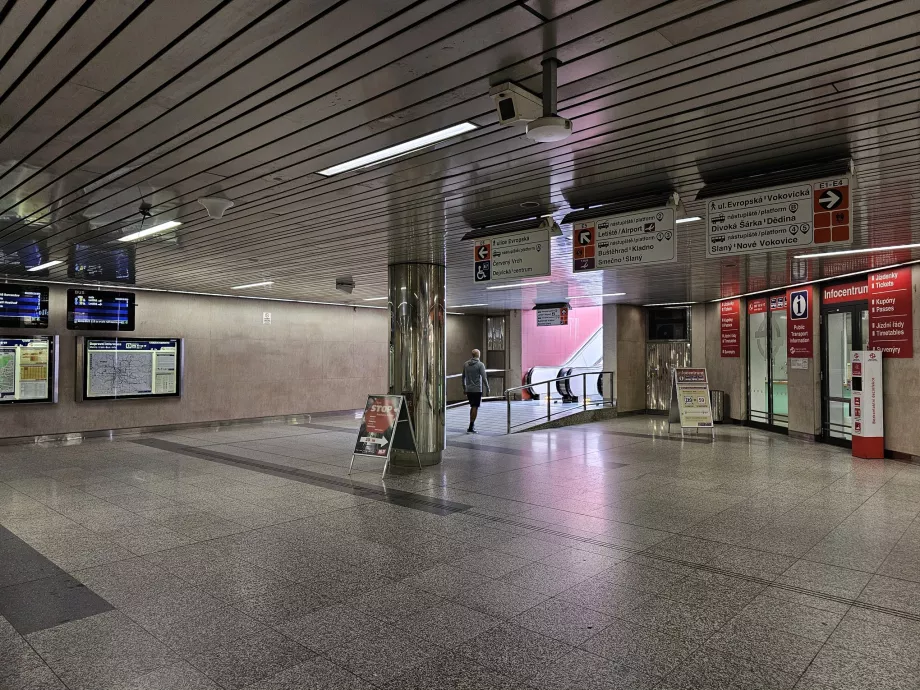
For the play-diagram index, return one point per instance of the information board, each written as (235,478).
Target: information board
(730,327)
(131,368)
(27,369)
(789,217)
(378,432)
(557,315)
(100,311)
(23,306)
(512,256)
(690,406)
(891,318)
(866,404)
(632,239)
(800,324)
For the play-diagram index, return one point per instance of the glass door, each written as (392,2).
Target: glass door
(843,330)
(768,384)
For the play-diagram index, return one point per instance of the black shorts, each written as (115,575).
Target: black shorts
(474,398)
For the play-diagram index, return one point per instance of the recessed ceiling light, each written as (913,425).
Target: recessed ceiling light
(400,149)
(516,285)
(162,227)
(47,264)
(868,250)
(606,294)
(688,219)
(374,299)
(461,306)
(264,283)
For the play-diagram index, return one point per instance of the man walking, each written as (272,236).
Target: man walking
(474,378)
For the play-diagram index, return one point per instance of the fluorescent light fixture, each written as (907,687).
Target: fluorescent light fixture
(457,313)
(669,304)
(162,227)
(844,252)
(516,285)
(47,264)
(400,149)
(461,306)
(606,294)
(688,219)
(264,283)
(375,299)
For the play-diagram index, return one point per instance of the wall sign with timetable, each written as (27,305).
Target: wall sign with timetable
(114,368)
(28,369)
(97,310)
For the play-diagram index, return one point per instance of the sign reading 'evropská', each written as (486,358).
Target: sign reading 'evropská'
(512,256)
(790,217)
(632,239)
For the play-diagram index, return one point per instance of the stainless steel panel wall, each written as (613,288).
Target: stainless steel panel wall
(660,361)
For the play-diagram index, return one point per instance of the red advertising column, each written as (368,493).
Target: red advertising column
(730,327)
(867,409)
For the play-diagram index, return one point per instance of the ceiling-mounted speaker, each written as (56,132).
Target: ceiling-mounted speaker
(215,206)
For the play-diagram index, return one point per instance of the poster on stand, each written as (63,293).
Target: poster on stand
(378,432)
(690,406)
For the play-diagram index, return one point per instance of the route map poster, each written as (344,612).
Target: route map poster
(26,371)
(131,368)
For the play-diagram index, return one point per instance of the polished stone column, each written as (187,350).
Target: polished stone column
(418,353)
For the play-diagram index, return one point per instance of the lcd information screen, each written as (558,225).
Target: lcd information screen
(131,368)
(100,311)
(26,369)
(23,306)
(94,262)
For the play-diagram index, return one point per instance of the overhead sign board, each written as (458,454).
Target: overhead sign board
(631,239)
(513,256)
(790,217)
(557,315)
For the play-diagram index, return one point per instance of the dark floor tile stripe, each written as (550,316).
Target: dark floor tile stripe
(491,449)
(644,552)
(406,499)
(35,594)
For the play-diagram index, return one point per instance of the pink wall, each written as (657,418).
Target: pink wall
(553,345)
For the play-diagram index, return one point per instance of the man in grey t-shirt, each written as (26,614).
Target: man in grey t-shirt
(474,379)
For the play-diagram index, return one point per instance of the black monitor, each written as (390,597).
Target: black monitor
(23,306)
(89,262)
(669,323)
(95,310)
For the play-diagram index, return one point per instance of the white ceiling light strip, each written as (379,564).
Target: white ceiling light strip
(140,234)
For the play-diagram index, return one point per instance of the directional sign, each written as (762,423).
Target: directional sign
(644,237)
(512,256)
(802,215)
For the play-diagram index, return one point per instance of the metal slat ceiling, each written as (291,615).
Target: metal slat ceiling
(110,104)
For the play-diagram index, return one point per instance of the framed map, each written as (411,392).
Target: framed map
(115,368)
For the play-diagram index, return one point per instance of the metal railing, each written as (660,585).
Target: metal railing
(603,397)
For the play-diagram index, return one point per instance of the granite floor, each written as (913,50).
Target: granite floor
(599,556)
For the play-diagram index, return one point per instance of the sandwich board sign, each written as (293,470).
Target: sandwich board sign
(378,433)
(690,406)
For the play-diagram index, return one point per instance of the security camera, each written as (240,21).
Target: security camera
(515,104)
(346,285)
(215,206)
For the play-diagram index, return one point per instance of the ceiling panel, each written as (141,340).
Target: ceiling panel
(250,98)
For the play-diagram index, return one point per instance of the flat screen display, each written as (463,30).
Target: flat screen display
(23,306)
(109,264)
(669,323)
(131,368)
(26,368)
(94,310)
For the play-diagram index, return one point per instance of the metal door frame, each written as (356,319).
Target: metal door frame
(855,309)
(769,425)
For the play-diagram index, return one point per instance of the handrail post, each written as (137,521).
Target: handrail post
(549,410)
(584,391)
(508,401)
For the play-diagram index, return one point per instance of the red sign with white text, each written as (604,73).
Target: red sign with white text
(845,292)
(800,324)
(757,306)
(891,321)
(730,325)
